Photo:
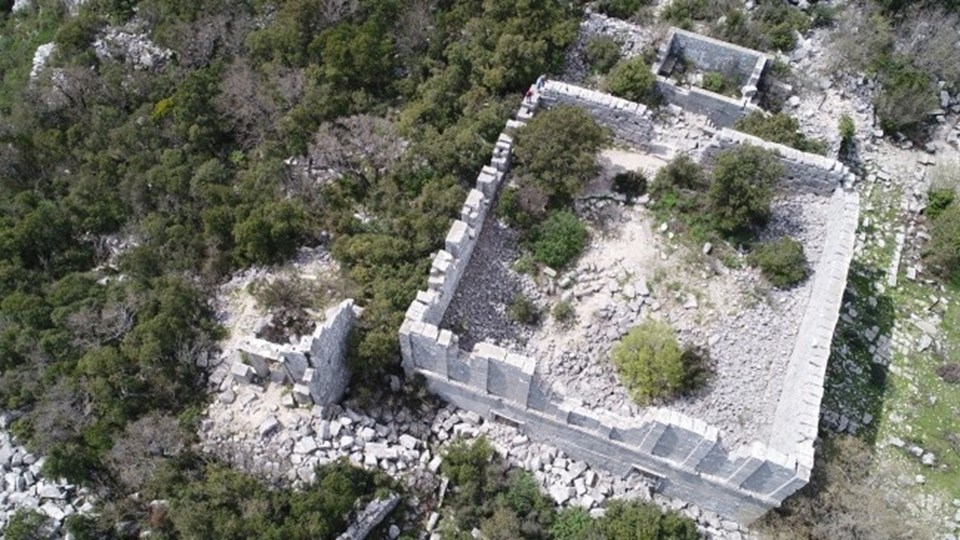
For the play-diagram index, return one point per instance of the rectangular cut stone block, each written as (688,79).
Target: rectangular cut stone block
(456,238)
(241,373)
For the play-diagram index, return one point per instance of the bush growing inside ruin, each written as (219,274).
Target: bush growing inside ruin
(632,79)
(559,240)
(719,83)
(679,183)
(779,128)
(783,262)
(601,54)
(563,312)
(557,153)
(651,363)
(742,188)
(630,184)
(523,310)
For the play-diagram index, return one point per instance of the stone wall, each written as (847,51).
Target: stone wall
(723,111)
(797,418)
(681,455)
(316,366)
(707,54)
(802,171)
(629,121)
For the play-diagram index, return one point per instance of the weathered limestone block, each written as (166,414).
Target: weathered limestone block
(242,373)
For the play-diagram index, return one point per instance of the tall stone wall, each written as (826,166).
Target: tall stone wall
(682,455)
(797,418)
(316,366)
(630,121)
(802,171)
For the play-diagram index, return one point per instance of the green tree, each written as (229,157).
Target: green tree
(649,362)
(742,188)
(557,152)
(639,520)
(633,79)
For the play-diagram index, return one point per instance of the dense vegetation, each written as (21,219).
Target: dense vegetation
(555,156)
(732,200)
(506,504)
(184,167)
(654,367)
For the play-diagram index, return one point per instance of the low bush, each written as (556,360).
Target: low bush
(942,252)
(563,312)
(26,524)
(632,79)
(523,310)
(719,83)
(782,262)
(682,12)
(742,188)
(630,184)
(621,9)
(780,128)
(559,240)
(847,131)
(950,372)
(681,174)
(907,98)
(652,365)
(641,520)
(938,200)
(779,22)
(601,54)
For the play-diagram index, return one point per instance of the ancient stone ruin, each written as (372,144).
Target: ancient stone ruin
(315,366)
(681,456)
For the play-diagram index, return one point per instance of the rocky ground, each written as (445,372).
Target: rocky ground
(248,427)
(24,488)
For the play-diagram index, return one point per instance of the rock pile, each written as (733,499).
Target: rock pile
(25,488)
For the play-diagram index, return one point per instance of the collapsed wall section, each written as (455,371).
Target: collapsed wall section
(316,366)
(796,421)
(801,171)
